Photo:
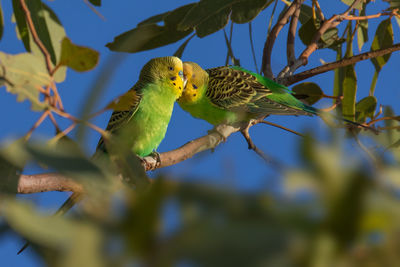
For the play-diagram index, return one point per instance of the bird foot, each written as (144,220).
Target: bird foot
(219,130)
(157,156)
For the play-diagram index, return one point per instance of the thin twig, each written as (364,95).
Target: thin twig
(37,124)
(313,46)
(45,182)
(36,38)
(281,127)
(291,57)
(94,10)
(319,10)
(53,120)
(267,51)
(395,118)
(253,52)
(62,134)
(338,64)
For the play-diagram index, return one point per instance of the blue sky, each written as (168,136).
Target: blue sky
(231,163)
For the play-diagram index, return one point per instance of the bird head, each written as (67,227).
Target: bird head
(168,70)
(196,83)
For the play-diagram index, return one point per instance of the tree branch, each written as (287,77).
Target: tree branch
(313,46)
(269,43)
(338,64)
(45,182)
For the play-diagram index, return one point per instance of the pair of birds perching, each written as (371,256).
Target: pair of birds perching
(219,95)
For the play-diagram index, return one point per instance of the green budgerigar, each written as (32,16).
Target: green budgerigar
(233,94)
(141,115)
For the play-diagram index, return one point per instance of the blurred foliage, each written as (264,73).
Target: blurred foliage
(338,207)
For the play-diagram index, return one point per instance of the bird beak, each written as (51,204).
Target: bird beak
(184,81)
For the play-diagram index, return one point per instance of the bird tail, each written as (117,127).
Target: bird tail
(65,207)
(319,112)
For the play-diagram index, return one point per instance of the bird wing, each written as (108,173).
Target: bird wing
(230,88)
(124,108)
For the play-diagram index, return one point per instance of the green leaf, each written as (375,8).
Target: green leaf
(307,31)
(362,30)
(214,23)
(365,108)
(359,6)
(22,74)
(154,19)
(150,36)
(22,27)
(77,242)
(95,2)
(305,13)
(383,39)
(78,58)
(202,11)
(9,176)
(179,52)
(246,10)
(67,158)
(349,93)
(308,92)
(394,3)
(145,38)
(339,75)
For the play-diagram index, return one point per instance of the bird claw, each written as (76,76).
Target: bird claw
(157,156)
(220,133)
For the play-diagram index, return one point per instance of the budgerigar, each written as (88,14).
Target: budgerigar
(232,94)
(141,116)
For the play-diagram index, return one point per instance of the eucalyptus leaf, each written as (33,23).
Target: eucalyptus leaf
(1,22)
(214,23)
(78,58)
(202,11)
(308,92)
(349,92)
(95,2)
(383,39)
(246,10)
(22,74)
(365,108)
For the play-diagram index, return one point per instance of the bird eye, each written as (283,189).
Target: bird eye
(194,86)
(170,68)
(180,73)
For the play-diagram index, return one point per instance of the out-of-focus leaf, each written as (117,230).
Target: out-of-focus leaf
(79,243)
(128,164)
(365,108)
(22,27)
(202,11)
(246,10)
(383,39)
(308,92)
(95,2)
(349,93)
(362,30)
(397,20)
(213,23)
(150,36)
(1,23)
(394,3)
(179,51)
(67,158)
(22,74)
(9,176)
(76,57)
(359,6)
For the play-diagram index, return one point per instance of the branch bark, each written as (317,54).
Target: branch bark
(45,182)
(338,64)
(269,43)
(313,46)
